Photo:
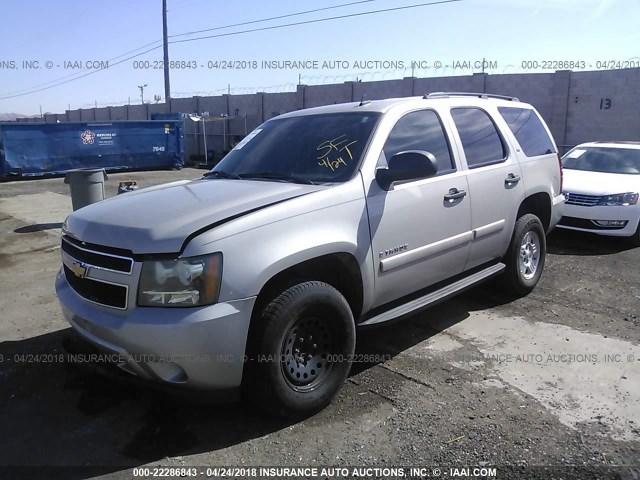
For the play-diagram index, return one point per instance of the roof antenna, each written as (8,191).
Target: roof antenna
(363,101)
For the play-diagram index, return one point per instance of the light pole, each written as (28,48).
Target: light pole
(141,87)
(224,116)
(204,134)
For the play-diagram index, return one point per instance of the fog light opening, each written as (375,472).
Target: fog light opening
(610,223)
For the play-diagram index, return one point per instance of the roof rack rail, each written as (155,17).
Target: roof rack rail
(469,94)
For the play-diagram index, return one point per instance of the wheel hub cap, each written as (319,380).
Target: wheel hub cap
(304,352)
(529,255)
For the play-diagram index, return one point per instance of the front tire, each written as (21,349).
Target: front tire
(525,257)
(302,351)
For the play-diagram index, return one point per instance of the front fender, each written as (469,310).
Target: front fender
(323,223)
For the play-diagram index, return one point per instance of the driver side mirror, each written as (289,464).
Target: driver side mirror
(408,165)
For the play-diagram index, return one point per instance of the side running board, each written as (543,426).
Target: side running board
(435,297)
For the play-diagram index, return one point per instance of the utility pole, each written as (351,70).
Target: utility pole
(141,87)
(167,87)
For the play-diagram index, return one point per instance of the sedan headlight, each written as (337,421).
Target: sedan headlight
(620,199)
(184,282)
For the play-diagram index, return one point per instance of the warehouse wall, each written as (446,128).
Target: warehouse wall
(578,106)
(275,104)
(604,106)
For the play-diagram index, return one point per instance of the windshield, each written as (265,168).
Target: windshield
(603,159)
(308,149)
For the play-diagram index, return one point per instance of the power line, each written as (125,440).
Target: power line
(80,75)
(274,27)
(271,18)
(316,21)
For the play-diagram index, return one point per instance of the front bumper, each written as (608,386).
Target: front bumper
(576,217)
(198,347)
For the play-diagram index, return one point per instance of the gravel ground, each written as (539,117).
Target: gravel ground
(552,379)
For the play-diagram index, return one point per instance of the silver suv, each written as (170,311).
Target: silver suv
(255,277)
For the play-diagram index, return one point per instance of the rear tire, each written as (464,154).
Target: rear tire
(302,350)
(525,257)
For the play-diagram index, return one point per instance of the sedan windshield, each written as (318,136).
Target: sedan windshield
(323,148)
(603,159)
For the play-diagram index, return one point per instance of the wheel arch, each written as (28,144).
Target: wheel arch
(538,204)
(340,270)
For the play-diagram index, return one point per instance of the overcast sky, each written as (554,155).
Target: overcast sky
(56,39)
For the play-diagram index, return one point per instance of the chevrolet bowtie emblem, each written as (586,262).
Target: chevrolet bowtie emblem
(79,269)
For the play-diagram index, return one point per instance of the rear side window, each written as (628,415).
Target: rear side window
(528,130)
(420,130)
(480,140)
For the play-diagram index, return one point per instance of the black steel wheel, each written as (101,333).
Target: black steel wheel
(301,351)
(306,353)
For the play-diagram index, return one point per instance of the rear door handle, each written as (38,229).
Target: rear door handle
(454,194)
(511,179)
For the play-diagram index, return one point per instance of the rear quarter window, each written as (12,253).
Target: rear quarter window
(528,130)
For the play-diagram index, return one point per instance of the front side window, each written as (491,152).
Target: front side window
(603,160)
(480,140)
(528,130)
(420,130)
(323,148)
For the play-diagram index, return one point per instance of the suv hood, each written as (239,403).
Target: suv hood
(159,219)
(598,183)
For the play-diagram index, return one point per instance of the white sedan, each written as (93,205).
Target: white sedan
(601,187)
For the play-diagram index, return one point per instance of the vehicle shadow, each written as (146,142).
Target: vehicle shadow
(82,418)
(392,338)
(570,242)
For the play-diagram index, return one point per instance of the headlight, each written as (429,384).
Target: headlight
(619,199)
(184,282)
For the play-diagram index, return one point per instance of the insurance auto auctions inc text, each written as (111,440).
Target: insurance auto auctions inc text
(231,64)
(328,472)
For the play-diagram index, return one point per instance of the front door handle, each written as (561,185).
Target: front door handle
(454,194)
(511,180)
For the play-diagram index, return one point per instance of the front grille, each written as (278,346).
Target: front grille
(90,255)
(584,223)
(98,291)
(582,200)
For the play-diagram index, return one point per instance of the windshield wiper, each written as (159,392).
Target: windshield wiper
(287,177)
(221,174)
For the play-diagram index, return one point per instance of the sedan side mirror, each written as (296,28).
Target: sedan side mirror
(408,165)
